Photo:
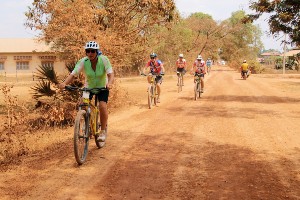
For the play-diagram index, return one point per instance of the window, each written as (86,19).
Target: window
(22,65)
(1,66)
(48,64)
(47,57)
(22,57)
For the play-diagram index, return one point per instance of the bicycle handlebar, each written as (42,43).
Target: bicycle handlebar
(93,90)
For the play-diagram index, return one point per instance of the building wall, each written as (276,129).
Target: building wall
(9,62)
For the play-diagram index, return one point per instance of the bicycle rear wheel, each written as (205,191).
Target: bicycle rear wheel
(81,137)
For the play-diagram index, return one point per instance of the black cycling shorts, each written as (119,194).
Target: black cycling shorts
(182,70)
(101,96)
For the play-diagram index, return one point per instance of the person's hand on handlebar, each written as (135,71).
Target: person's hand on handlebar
(61,86)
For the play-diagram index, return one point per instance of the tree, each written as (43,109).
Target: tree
(243,40)
(284,16)
(121,27)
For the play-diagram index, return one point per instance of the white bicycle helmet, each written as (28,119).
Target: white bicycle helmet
(199,57)
(91,45)
(244,61)
(181,55)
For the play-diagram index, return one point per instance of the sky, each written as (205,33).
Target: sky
(12,16)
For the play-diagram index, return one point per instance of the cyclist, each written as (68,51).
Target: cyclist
(244,68)
(199,69)
(98,73)
(208,65)
(181,66)
(156,68)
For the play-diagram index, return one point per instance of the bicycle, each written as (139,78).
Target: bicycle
(197,86)
(86,123)
(180,81)
(152,91)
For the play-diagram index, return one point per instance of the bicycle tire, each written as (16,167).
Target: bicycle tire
(150,96)
(199,90)
(154,95)
(196,90)
(81,137)
(179,83)
(98,126)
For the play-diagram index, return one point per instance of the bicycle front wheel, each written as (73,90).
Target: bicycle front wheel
(179,83)
(150,96)
(81,137)
(196,90)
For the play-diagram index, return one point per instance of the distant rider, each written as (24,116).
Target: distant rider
(181,66)
(155,68)
(208,65)
(244,68)
(199,69)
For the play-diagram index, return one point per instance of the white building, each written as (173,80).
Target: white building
(24,56)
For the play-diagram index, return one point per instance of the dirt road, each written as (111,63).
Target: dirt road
(241,140)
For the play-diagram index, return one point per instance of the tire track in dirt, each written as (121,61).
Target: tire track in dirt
(223,146)
(184,164)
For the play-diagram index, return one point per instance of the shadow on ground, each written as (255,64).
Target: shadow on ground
(165,167)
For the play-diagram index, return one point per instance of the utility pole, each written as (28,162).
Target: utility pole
(284,50)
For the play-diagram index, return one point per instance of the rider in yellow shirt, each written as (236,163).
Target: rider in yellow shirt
(244,67)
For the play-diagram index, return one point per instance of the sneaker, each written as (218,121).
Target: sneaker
(202,90)
(102,136)
(158,100)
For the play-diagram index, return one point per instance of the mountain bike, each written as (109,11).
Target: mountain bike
(180,81)
(87,123)
(197,86)
(152,91)
(245,74)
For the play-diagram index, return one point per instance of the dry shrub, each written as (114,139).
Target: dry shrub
(54,114)
(118,97)
(15,115)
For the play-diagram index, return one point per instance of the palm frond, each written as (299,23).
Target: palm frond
(47,72)
(70,66)
(43,88)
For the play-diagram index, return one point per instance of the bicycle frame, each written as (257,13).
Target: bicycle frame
(92,112)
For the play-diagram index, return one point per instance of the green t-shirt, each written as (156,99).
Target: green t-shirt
(97,78)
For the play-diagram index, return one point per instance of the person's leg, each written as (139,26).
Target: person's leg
(149,78)
(103,114)
(158,92)
(103,98)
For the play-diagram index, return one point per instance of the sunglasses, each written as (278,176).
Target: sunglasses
(152,57)
(90,51)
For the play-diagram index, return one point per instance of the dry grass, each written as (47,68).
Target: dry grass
(37,127)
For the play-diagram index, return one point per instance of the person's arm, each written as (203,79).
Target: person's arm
(162,69)
(110,80)
(77,69)
(176,66)
(192,69)
(146,66)
(68,80)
